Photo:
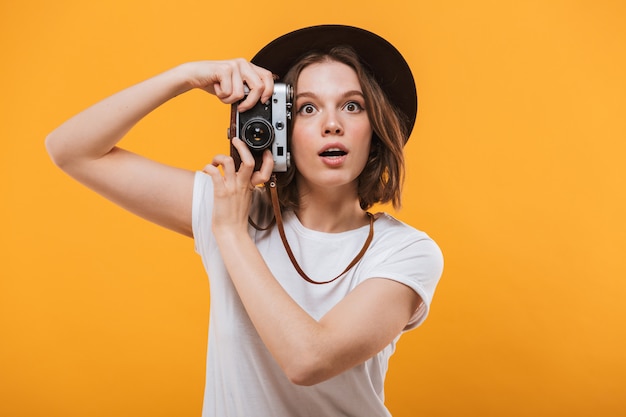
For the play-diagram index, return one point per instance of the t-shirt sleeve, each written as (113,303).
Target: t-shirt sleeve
(416,262)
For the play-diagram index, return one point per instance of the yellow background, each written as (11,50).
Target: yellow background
(516,168)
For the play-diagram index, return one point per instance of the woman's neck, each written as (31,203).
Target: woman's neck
(331,212)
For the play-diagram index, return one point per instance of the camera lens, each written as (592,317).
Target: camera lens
(258,134)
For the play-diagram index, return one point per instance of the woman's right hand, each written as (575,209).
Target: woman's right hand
(226,80)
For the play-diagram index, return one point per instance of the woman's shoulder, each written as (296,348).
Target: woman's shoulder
(392,234)
(389,224)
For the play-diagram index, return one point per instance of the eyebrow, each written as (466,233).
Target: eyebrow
(349,93)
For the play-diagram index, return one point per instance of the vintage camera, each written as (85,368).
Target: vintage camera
(264,126)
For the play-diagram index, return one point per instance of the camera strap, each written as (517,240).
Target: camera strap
(281,230)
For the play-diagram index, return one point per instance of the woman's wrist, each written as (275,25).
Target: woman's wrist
(228,237)
(181,79)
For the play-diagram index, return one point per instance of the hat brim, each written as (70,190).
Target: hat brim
(385,62)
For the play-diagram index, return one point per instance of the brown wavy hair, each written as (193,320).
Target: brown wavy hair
(382,178)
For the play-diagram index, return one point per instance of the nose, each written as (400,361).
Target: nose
(332,125)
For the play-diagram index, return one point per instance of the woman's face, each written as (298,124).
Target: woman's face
(331,133)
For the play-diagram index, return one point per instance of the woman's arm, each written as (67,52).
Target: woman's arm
(86,145)
(311,351)
(308,351)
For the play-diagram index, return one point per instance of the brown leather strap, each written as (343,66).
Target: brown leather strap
(257,227)
(281,231)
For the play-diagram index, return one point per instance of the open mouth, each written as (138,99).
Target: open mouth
(333,153)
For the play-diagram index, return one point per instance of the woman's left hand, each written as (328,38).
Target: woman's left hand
(233,189)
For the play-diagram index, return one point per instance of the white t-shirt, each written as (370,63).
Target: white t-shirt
(242,378)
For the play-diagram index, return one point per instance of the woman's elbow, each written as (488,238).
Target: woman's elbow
(303,378)
(307,372)
(54,149)
(62,153)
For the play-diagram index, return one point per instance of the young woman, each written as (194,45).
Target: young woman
(305,312)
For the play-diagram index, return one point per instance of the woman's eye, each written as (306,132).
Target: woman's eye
(353,107)
(307,109)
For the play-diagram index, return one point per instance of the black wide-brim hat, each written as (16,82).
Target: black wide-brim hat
(383,60)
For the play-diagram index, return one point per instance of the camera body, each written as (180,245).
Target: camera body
(266,125)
